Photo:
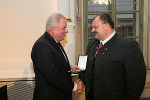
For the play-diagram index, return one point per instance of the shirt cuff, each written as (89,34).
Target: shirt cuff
(75,87)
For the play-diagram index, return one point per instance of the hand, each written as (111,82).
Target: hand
(74,67)
(80,86)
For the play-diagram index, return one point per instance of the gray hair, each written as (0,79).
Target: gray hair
(53,20)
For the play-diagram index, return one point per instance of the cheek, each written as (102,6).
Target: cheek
(100,30)
(58,35)
(62,35)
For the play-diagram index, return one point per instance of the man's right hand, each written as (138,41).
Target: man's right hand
(80,86)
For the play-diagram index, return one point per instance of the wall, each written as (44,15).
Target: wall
(21,23)
(66,7)
(146,45)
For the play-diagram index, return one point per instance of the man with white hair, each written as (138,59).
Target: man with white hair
(51,65)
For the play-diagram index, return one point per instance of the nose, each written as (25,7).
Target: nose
(66,30)
(93,29)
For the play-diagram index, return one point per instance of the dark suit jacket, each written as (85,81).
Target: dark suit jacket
(52,79)
(3,93)
(119,71)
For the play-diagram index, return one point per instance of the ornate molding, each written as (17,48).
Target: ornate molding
(70,28)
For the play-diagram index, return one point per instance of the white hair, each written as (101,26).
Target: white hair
(53,20)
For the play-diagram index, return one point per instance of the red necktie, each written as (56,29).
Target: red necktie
(101,45)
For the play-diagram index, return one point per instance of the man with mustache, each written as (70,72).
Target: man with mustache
(115,68)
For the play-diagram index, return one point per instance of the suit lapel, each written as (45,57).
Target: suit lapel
(111,40)
(56,45)
(107,45)
(63,51)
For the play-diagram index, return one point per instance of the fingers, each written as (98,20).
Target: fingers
(80,86)
(74,67)
(78,92)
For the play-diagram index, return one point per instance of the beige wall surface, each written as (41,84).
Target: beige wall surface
(148,33)
(21,23)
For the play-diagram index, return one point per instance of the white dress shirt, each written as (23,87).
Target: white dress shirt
(107,39)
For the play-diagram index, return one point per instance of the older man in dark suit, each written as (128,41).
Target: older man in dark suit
(115,69)
(51,65)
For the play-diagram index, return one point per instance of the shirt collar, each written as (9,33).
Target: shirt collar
(107,39)
(54,38)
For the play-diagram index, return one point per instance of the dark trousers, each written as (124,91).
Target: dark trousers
(90,96)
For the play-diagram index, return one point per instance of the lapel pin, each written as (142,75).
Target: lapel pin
(105,49)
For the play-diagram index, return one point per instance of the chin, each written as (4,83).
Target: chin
(62,39)
(96,37)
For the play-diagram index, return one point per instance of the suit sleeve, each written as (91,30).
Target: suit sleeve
(135,72)
(82,74)
(49,71)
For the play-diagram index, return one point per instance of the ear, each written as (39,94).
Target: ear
(53,28)
(107,26)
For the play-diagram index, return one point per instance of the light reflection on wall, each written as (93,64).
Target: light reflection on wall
(106,2)
(21,23)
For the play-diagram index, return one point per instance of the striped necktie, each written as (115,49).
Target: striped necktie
(63,51)
(100,46)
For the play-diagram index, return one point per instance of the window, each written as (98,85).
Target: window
(125,14)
